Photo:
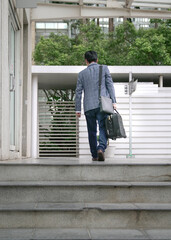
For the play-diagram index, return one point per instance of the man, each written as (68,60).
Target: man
(88,81)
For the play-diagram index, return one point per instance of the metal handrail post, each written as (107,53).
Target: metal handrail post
(130,119)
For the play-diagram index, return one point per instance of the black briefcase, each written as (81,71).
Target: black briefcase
(114,126)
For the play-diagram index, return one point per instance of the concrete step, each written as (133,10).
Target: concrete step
(86,170)
(84,191)
(85,215)
(84,234)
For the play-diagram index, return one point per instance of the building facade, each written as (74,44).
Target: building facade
(15,81)
(19,84)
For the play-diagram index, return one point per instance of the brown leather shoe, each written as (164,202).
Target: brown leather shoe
(94,159)
(100,155)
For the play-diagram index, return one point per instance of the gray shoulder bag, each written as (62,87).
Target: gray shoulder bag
(106,104)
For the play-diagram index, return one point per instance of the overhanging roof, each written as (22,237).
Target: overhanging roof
(151,4)
(65,77)
(101,9)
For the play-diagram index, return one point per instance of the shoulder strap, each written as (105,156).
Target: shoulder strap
(100,79)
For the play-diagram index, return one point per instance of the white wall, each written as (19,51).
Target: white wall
(151,123)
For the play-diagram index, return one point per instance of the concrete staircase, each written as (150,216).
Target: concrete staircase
(72,199)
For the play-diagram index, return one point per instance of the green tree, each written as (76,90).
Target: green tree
(53,51)
(163,27)
(119,43)
(90,37)
(149,48)
(124,46)
(140,47)
(165,31)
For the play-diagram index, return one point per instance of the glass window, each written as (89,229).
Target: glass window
(62,26)
(146,19)
(105,19)
(40,25)
(51,25)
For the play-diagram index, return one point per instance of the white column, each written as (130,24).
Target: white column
(35,117)
(161,81)
(4,83)
(0,80)
(29,90)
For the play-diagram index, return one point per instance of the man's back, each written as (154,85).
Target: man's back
(88,81)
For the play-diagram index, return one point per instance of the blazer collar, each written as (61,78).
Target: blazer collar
(91,64)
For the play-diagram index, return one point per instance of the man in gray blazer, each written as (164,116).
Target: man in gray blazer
(88,82)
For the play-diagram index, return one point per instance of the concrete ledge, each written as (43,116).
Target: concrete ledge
(84,192)
(80,215)
(85,172)
(85,234)
(85,206)
(82,184)
(87,162)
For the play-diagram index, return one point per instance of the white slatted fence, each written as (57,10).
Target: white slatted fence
(151,123)
(58,129)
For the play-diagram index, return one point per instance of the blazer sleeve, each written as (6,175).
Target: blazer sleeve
(78,94)
(109,84)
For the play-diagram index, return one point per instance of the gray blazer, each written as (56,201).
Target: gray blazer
(88,81)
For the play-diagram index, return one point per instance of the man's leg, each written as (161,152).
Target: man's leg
(92,131)
(101,117)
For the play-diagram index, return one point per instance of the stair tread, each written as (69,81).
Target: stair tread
(82,183)
(87,162)
(52,206)
(84,234)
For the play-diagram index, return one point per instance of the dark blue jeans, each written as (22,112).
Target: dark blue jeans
(92,117)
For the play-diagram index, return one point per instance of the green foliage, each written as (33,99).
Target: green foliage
(53,51)
(165,31)
(119,44)
(90,37)
(149,50)
(126,46)
(159,22)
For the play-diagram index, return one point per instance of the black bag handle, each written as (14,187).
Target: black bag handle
(116,110)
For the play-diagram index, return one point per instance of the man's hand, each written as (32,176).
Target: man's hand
(114,105)
(78,114)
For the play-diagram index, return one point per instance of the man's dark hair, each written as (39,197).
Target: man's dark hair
(91,56)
